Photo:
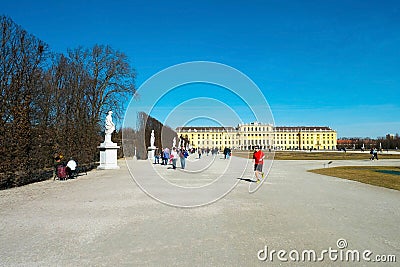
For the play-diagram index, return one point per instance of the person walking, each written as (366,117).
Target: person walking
(183,154)
(162,156)
(175,157)
(199,151)
(228,153)
(375,154)
(225,152)
(157,157)
(166,155)
(258,157)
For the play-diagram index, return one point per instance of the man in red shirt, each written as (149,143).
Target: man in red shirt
(258,157)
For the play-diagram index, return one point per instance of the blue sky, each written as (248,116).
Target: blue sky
(328,63)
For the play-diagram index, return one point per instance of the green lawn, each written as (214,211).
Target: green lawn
(300,155)
(384,176)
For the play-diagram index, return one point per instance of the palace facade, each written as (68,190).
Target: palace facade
(247,136)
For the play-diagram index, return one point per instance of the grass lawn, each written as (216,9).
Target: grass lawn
(300,155)
(384,176)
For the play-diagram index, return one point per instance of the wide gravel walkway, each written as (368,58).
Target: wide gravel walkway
(105,219)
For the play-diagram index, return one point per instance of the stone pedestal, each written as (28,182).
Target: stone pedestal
(150,152)
(108,156)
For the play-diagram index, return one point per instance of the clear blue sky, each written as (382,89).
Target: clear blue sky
(328,63)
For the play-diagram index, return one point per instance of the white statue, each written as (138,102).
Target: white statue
(110,127)
(173,142)
(152,139)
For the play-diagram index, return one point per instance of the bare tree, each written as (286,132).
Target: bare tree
(53,103)
(20,58)
(111,79)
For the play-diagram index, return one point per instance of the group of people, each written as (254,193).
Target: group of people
(168,156)
(62,170)
(201,151)
(171,157)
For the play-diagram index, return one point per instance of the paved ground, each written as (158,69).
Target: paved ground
(104,219)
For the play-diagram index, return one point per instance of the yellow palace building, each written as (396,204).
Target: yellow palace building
(246,136)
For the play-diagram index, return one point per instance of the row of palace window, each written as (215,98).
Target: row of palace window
(307,147)
(306,142)
(257,142)
(216,143)
(263,135)
(305,135)
(255,129)
(245,142)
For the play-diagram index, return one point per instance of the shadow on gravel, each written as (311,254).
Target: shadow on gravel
(246,179)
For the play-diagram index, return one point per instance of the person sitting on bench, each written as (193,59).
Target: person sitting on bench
(71,168)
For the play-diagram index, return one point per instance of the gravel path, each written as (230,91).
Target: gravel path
(104,218)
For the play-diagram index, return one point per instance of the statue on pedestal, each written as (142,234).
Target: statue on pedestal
(108,149)
(152,148)
(173,142)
